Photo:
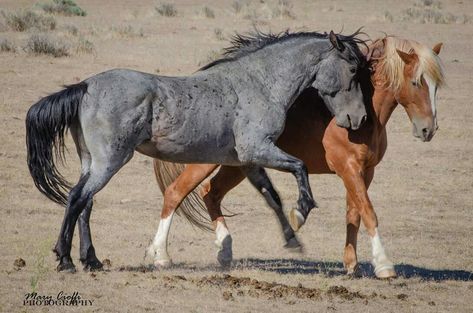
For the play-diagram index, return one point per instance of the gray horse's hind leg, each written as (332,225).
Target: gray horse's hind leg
(260,180)
(87,251)
(81,196)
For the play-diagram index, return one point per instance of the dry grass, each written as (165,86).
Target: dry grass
(218,32)
(72,29)
(24,20)
(427,12)
(43,44)
(7,46)
(208,12)
(64,7)
(166,9)
(237,6)
(84,46)
(127,31)
(282,9)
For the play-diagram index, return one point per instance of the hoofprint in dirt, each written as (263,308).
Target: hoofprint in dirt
(422,193)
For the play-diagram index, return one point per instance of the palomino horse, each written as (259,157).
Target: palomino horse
(231,112)
(404,72)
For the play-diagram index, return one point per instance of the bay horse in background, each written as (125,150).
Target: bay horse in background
(231,112)
(403,72)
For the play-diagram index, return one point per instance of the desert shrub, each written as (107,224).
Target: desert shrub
(45,44)
(219,34)
(166,9)
(7,46)
(208,12)
(84,46)
(24,20)
(71,29)
(64,7)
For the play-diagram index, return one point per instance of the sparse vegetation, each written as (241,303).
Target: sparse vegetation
(64,7)
(237,6)
(84,46)
(127,31)
(427,12)
(47,45)
(24,20)
(166,9)
(71,29)
(219,34)
(208,12)
(39,266)
(7,46)
(282,9)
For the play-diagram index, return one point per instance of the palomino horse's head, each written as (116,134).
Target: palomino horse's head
(338,83)
(414,72)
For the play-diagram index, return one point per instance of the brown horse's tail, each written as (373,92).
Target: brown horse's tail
(192,207)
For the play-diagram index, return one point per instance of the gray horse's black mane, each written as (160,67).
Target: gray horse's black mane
(242,45)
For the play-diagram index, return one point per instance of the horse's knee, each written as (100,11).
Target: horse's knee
(171,200)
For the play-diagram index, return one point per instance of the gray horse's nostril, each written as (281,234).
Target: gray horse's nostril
(363,119)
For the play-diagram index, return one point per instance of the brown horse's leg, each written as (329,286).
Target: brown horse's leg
(190,178)
(213,192)
(356,184)
(353,224)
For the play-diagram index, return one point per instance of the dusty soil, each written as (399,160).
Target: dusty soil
(422,192)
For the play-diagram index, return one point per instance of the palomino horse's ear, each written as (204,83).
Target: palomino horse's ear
(408,58)
(335,42)
(437,48)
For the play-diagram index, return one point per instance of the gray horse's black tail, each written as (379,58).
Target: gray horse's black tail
(47,123)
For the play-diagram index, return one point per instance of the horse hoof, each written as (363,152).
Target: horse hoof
(354,272)
(293,245)
(66,268)
(93,266)
(385,272)
(296,219)
(162,264)
(225,253)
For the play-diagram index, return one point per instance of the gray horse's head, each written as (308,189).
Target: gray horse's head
(338,83)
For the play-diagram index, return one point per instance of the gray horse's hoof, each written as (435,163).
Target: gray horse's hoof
(293,245)
(92,265)
(296,219)
(67,267)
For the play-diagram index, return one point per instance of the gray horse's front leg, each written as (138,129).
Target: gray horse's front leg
(260,180)
(266,154)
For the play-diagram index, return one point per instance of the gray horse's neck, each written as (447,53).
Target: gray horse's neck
(284,69)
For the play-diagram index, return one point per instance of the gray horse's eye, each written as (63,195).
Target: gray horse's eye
(353,70)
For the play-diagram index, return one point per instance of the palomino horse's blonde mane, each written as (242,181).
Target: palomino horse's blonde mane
(391,66)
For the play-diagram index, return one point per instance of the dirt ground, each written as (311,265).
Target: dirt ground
(422,192)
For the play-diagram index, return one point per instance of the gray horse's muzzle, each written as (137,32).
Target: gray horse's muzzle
(348,121)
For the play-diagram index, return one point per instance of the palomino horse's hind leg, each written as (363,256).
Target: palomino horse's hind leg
(173,196)
(260,180)
(357,191)
(227,178)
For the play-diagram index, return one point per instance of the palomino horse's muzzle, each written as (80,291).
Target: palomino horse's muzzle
(424,129)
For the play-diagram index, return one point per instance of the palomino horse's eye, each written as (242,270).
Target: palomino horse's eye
(415,83)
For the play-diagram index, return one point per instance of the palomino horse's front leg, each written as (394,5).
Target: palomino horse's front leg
(173,196)
(359,205)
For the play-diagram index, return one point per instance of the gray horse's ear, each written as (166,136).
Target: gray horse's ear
(335,42)
(437,48)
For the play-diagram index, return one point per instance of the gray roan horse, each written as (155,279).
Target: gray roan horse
(231,113)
